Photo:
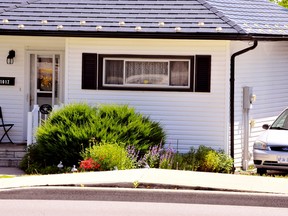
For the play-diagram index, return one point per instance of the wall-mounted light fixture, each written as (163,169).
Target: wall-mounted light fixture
(10,57)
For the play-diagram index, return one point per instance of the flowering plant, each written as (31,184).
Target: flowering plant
(155,157)
(89,165)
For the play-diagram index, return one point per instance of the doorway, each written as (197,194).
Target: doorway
(45,79)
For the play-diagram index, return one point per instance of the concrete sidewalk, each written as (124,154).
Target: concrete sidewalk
(159,177)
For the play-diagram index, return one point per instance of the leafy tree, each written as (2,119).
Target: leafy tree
(283,3)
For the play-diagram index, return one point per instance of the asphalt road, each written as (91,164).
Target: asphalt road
(108,208)
(147,195)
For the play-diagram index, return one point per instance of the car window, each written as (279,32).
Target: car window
(281,121)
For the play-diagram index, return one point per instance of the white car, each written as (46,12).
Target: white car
(270,150)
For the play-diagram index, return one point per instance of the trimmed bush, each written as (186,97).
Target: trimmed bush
(32,163)
(64,134)
(68,130)
(123,124)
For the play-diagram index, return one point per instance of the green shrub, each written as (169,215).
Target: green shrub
(155,157)
(226,163)
(151,158)
(186,161)
(204,159)
(207,159)
(26,163)
(108,156)
(67,132)
(64,134)
(166,158)
(210,160)
(123,124)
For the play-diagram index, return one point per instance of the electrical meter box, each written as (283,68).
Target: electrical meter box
(248,97)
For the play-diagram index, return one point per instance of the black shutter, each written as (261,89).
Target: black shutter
(89,71)
(203,73)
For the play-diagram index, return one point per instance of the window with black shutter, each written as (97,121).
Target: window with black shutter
(89,71)
(136,72)
(203,73)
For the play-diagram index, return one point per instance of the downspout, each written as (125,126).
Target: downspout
(232,92)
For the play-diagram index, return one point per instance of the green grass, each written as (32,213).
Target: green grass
(6,176)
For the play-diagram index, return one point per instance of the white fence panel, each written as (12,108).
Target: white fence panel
(32,124)
(35,118)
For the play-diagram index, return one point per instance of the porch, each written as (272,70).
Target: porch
(12,154)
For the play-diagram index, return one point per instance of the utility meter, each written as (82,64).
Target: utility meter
(248,97)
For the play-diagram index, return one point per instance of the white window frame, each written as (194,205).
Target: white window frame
(168,60)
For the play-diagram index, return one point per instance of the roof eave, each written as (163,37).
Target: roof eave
(146,35)
(139,35)
(263,37)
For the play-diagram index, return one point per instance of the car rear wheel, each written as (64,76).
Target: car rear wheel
(261,171)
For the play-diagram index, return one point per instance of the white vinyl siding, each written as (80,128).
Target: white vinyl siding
(189,118)
(13,98)
(266,70)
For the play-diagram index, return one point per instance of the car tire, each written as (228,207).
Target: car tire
(261,171)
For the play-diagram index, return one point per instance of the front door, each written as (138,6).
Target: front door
(45,79)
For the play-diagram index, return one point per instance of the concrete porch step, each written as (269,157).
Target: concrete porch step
(10,162)
(11,154)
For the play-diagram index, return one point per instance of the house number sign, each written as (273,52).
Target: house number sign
(10,81)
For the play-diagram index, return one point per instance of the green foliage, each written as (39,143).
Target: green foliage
(6,176)
(68,130)
(152,157)
(283,3)
(111,136)
(25,164)
(166,159)
(157,157)
(109,156)
(226,163)
(204,159)
(186,161)
(123,124)
(31,165)
(63,135)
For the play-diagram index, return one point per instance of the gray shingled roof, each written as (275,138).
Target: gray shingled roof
(239,18)
(254,17)
(5,4)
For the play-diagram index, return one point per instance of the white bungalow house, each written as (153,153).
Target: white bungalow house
(185,63)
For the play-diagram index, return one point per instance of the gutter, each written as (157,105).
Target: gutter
(232,92)
(132,35)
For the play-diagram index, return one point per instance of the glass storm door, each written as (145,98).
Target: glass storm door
(44,78)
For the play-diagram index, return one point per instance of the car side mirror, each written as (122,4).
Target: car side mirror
(265,126)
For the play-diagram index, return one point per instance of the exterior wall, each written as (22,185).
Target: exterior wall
(265,69)
(189,118)
(14,98)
